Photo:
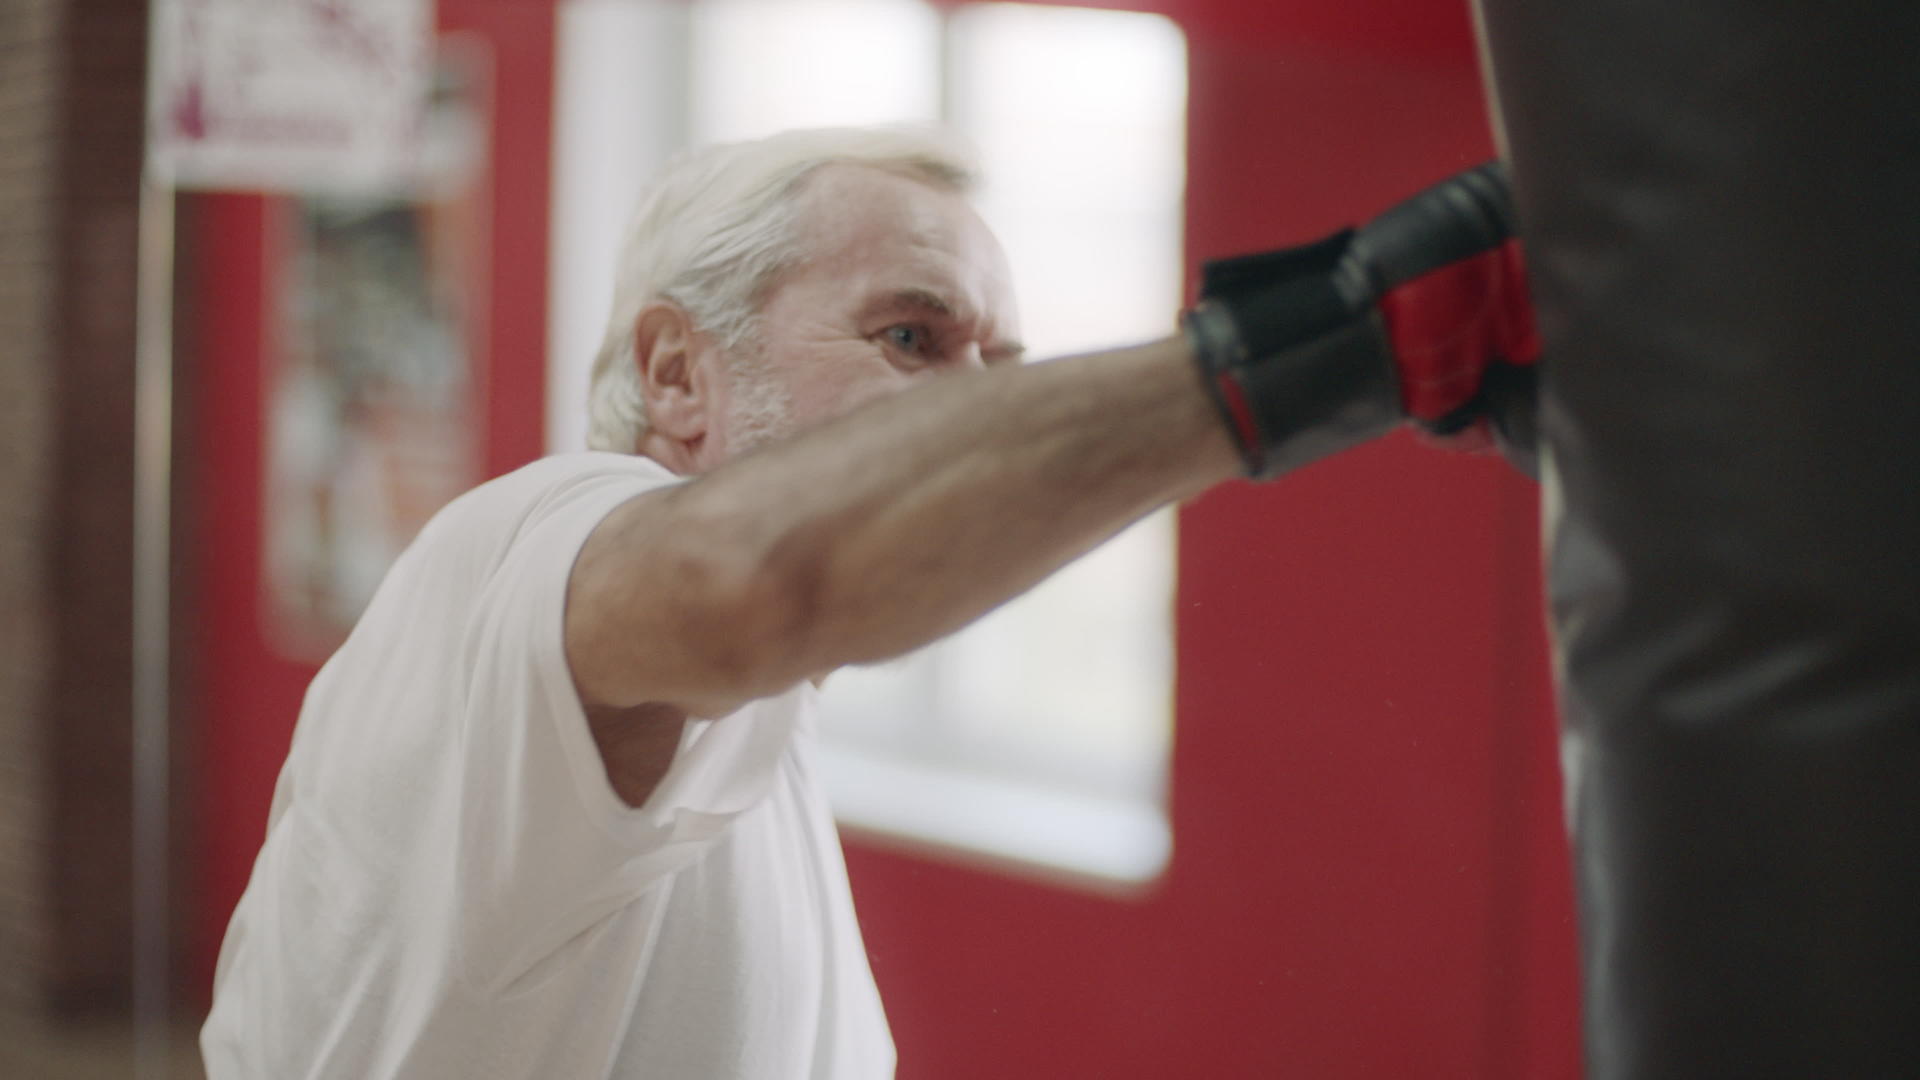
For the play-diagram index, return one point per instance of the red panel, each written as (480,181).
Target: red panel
(1427,33)
(251,694)
(519,35)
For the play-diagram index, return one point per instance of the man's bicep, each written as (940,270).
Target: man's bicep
(659,610)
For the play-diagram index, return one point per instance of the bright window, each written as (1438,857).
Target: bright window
(761,66)
(1040,734)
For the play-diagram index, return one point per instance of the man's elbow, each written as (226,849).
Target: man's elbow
(695,607)
(751,621)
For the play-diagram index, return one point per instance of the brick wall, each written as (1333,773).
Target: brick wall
(71,87)
(30,58)
(89,571)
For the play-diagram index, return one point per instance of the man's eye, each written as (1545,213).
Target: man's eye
(908,338)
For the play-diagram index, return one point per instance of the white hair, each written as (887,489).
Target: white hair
(714,230)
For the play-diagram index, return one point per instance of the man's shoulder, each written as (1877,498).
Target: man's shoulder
(478,527)
(555,471)
(524,491)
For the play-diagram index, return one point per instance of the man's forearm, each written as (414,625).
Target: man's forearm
(941,504)
(903,521)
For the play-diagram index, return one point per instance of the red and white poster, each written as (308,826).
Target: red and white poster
(288,95)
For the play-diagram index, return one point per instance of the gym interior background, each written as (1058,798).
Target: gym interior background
(1319,839)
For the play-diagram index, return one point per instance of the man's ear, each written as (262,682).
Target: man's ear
(674,362)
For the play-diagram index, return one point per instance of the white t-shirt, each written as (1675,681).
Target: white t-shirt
(451,888)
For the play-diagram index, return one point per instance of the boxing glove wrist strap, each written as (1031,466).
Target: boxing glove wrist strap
(1297,367)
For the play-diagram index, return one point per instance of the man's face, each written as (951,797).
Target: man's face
(902,282)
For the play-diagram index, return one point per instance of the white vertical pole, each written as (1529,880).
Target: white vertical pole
(152,525)
(152,621)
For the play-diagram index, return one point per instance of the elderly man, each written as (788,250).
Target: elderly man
(550,811)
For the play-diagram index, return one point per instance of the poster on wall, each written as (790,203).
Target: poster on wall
(374,367)
(287,95)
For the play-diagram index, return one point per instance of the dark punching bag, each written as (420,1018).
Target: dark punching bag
(1720,201)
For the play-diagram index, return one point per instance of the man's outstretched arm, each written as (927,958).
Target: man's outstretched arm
(904,521)
(884,530)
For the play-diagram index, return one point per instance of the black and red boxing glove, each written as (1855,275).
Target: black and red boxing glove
(1421,315)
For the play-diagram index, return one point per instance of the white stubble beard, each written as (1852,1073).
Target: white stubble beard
(760,408)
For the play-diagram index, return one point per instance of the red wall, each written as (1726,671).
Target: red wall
(1369,872)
